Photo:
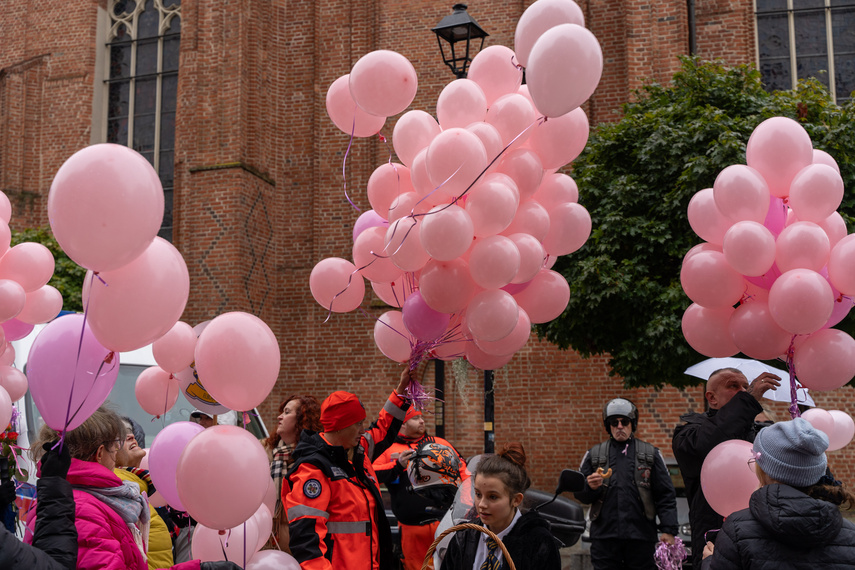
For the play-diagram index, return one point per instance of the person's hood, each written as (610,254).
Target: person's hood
(91,474)
(794,517)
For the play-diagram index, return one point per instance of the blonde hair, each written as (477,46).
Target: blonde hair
(103,427)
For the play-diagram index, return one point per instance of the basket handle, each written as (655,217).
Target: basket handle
(464,526)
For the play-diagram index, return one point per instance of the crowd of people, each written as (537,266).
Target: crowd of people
(92,509)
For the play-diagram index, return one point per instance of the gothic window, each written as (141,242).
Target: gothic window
(142,84)
(797,39)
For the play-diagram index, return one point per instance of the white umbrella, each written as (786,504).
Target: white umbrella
(752,369)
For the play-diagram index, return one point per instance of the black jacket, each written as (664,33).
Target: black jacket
(691,444)
(622,514)
(783,528)
(55,538)
(530,545)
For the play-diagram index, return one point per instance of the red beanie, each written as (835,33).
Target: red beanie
(340,410)
(411,413)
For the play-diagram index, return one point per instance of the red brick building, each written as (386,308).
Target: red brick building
(235,121)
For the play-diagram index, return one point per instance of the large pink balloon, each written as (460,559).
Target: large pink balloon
(844,430)
(834,227)
(494,70)
(421,321)
(749,248)
(138,303)
(61,367)
(14,382)
(12,299)
(820,419)
(336,285)
(492,204)
(706,330)
(175,350)
(741,194)
(710,281)
(569,229)
(825,360)
(560,139)
(727,479)
(209,467)
(511,343)
(383,83)
(802,245)
(392,337)
(531,257)
(163,458)
(105,206)
(386,183)
(841,265)
(156,390)
(42,305)
(237,544)
(779,148)
(393,293)
(446,232)
(16,330)
(523,166)
(801,301)
(816,192)
(30,264)
(545,298)
(756,334)
(556,189)
(273,560)
(370,257)
(706,219)
(446,286)
(483,361)
(494,262)
(564,68)
(238,356)
(539,17)
(513,116)
(404,244)
(460,103)
(492,315)
(489,137)
(413,133)
(346,114)
(455,158)
(368,219)
(531,218)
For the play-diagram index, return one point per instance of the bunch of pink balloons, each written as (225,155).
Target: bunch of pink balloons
(465,226)
(836,424)
(777,267)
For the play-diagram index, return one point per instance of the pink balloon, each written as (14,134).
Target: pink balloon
(386,184)
(453,348)
(560,140)
(446,286)
(383,83)
(727,479)
(489,136)
(701,247)
(820,419)
(446,232)
(271,496)
(569,229)
(237,544)
(61,367)
(273,560)
(346,114)
(5,235)
(483,361)
(779,148)
(842,306)
(264,523)
(392,337)
(825,360)
(41,306)
(756,334)
(531,257)
(12,299)
(766,280)
(492,315)
(822,157)
(841,265)
(15,329)
(421,321)
(394,293)
(816,192)
(238,356)
(492,204)
(513,116)
(801,301)
(136,304)
(368,219)
(802,245)
(454,160)
(556,189)
(545,298)
(844,430)
(412,134)
(336,285)
(706,219)
(494,262)
(564,68)
(493,69)
(14,382)
(105,206)
(540,17)
(531,218)
(749,248)
(525,169)
(706,330)
(166,450)
(419,174)
(741,194)
(710,281)
(7,358)
(371,258)
(156,390)
(175,350)
(218,455)
(511,343)
(404,244)
(834,227)
(776,217)
(5,408)
(30,264)
(5,208)
(460,103)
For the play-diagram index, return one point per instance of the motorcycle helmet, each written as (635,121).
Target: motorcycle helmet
(620,408)
(433,464)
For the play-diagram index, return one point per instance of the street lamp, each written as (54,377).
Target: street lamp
(454,30)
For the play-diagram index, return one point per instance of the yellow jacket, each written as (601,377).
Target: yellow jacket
(159,542)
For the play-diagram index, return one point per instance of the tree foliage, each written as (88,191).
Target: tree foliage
(636,177)
(67,275)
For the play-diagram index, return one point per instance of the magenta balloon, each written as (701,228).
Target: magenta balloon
(569,229)
(368,219)
(776,217)
(404,244)
(801,301)
(12,299)
(564,69)
(383,83)
(446,232)
(15,329)
(156,390)
(336,285)
(820,419)
(710,281)
(492,204)
(844,430)
(816,192)
(802,245)
(61,368)
(525,169)
(825,360)
(238,544)
(492,315)
(238,356)
(727,479)
(545,298)
(556,189)
(540,17)
(446,286)
(841,265)
(494,261)
(394,293)
(30,264)
(105,206)
(756,334)
(707,331)
(163,458)
(217,456)
(346,115)
(454,160)
(531,218)
(560,140)
(495,71)
(42,305)
(175,350)
(511,343)
(779,148)
(370,257)
(706,219)
(741,193)
(14,382)
(489,136)
(273,560)
(392,337)
(749,248)
(5,408)
(513,116)
(412,134)
(483,361)
(421,321)
(386,184)
(460,103)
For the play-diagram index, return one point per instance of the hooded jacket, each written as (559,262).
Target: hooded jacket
(783,528)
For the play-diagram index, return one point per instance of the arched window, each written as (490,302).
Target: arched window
(142,84)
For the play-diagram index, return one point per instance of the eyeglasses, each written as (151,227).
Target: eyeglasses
(119,441)
(619,422)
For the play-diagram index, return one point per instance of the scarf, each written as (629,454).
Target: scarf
(130,504)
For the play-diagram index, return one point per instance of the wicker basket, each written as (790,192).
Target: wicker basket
(465,526)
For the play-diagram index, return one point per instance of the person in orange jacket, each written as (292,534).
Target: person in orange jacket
(418,516)
(335,512)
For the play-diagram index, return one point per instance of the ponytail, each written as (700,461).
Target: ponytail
(509,466)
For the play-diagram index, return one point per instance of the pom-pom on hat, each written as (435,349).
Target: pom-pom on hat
(340,410)
(792,452)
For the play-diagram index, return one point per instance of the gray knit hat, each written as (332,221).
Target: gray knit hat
(792,452)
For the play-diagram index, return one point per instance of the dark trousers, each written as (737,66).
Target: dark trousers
(616,554)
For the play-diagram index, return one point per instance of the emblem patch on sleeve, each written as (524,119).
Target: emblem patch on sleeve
(312,488)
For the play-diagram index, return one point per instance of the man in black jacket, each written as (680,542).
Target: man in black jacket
(733,405)
(628,485)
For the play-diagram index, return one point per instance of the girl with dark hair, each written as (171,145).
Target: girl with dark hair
(500,482)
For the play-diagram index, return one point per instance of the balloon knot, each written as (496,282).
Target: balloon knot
(109,358)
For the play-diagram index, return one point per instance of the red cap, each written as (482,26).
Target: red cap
(340,410)
(411,413)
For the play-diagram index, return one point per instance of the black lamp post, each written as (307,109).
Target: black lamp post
(451,33)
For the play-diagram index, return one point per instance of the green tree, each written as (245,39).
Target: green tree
(67,275)
(636,177)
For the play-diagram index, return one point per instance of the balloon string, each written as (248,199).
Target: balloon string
(794,407)
(107,360)
(344,160)
(223,543)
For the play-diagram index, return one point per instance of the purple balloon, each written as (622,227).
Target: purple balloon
(163,458)
(61,368)
(423,322)
(16,330)
(776,217)
(368,219)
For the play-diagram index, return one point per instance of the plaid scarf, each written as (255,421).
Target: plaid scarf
(129,503)
(281,461)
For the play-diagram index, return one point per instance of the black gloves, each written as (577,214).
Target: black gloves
(55,462)
(220,565)
(7,494)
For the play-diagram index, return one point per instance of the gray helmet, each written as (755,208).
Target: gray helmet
(620,408)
